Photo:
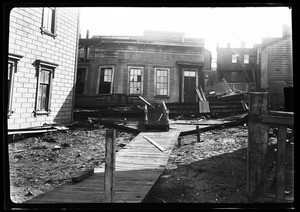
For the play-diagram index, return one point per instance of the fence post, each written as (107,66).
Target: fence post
(257,145)
(198,134)
(110,149)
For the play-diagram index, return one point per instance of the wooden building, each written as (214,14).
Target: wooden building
(159,66)
(277,67)
(41,66)
(238,66)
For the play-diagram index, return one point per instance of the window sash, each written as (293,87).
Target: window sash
(49,21)
(234,58)
(246,59)
(162,82)
(135,82)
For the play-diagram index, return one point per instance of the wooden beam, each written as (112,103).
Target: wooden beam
(155,144)
(274,119)
(280,171)
(146,102)
(110,157)
(257,146)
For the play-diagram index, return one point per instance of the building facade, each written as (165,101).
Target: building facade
(277,67)
(239,66)
(41,65)
(159,66)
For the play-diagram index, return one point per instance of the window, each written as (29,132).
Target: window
(105,80)
(162,81)
(49,21)
(80,81)
(246,59)
(135,80)
(12,69)
(234,58)
(45,75)
(84,53)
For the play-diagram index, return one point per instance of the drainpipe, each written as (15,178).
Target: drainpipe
(76,64)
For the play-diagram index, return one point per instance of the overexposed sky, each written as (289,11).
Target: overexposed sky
(215,25)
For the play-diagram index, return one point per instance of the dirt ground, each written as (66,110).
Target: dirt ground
(211,171)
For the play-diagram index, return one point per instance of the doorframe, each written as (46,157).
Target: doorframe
(112,78)
(182,80)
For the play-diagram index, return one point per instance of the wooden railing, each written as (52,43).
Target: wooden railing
(260,119)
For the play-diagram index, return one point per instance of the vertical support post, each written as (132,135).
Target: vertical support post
(179,141)
(257,145)
(198,133)
(281,146)
(146,114)
(110,149)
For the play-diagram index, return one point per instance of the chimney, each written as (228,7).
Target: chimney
(87,34)
(286,30)
(243,44)
(228,45)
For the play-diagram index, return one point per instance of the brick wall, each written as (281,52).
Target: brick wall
(25,39)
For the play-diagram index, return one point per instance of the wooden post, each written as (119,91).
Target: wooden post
(257,145)
(198,133)
(110,149)
(281,146)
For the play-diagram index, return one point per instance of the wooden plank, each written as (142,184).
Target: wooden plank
(281,147)
(155,144)
(110,149)
(199,94)
(81,176)
(274,119)
(281,113)
(257,146)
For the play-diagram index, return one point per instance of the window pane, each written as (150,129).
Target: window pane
(246,58)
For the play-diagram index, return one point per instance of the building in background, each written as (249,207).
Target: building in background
(239,67)
(41,65)
(277,69)
(159,66)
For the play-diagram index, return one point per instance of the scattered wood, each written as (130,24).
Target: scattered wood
(83,175)
(146,102)
(155,144)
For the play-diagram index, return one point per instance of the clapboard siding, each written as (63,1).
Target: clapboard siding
(277,62)
(264,69)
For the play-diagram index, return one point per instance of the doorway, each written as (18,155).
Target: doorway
(190,84)
(105,82)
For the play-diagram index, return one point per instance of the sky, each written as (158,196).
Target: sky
(215,25)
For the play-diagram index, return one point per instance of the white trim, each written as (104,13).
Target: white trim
(197,79)
(142,79)
(155,87)
(112,78)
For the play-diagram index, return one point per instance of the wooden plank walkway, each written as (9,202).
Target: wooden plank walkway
(138,166)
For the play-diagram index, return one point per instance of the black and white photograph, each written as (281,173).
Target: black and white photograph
(149,105)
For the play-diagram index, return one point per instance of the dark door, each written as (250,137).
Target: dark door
(189,91)
(105,80)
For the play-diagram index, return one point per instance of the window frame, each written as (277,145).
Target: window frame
(43,65)
(232,58)
(13,59)
(155,81)
(142,79)
(53,22)
(112,78)
(248,59)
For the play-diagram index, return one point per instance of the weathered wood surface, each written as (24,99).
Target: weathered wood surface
(137,167)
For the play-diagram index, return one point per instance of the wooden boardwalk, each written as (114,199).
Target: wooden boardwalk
(138,165)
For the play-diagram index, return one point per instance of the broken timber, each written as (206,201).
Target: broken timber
(155,144)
